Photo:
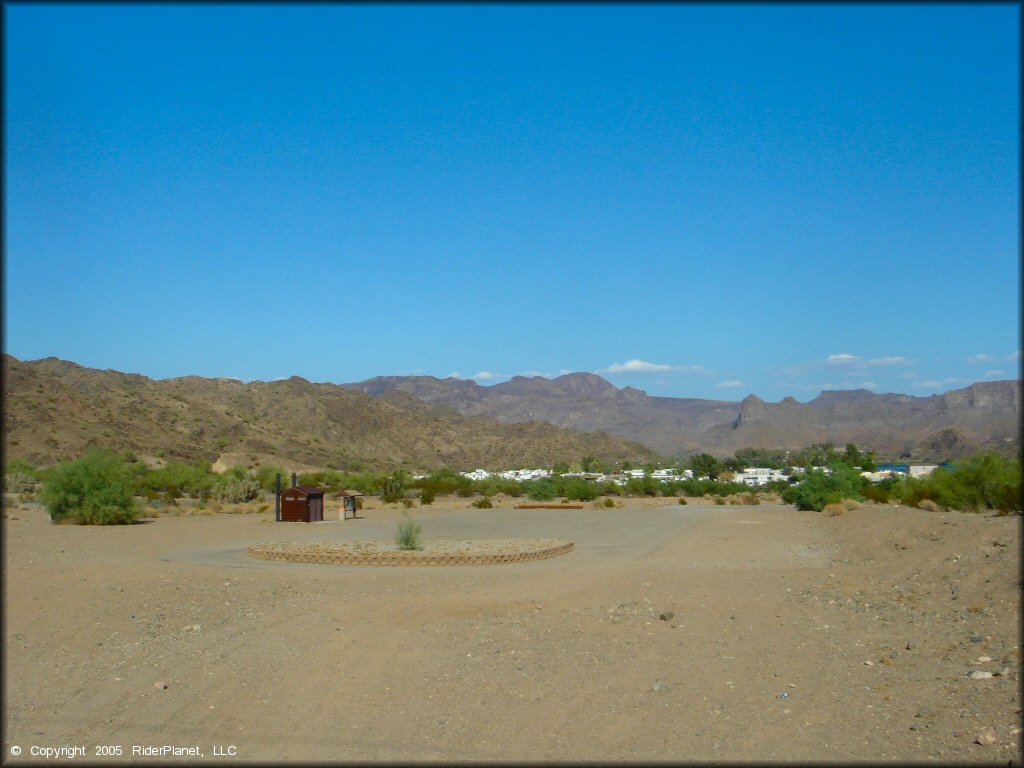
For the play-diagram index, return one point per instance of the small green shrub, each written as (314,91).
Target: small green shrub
(482,503)
(682,501)
(427,496)
(408,503)
(409,533)
(610,503)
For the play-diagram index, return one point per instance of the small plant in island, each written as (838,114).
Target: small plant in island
(97,489)
(409,534)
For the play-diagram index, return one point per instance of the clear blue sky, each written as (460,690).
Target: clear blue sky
(697,200)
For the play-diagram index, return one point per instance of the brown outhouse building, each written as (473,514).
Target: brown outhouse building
(302,504)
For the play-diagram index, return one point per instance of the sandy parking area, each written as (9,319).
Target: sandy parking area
(787,636)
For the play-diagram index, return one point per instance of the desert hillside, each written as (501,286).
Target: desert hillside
(55,410)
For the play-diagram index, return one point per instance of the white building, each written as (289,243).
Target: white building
(921,470)
(759,476)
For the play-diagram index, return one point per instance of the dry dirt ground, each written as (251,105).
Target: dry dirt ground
(670,633)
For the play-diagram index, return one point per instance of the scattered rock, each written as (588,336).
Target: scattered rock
(192,627)
(659,687)
(979,674)
(987,737)
(909,646)
(925,711)
(976,638)
(666,616)
(160,684)
(984,659)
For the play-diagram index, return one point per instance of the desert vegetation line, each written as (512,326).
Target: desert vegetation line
(104,487)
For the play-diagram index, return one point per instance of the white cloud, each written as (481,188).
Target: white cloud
(993,374)
(944,384)
(637,366)
(485,376)
(841,359)
(454,375)
(908,375)
(729,384)
(983,358)
(894,360)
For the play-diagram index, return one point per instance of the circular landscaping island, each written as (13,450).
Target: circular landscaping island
(441,552)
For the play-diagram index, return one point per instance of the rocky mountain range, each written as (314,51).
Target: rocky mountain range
(54,410)
(985,415)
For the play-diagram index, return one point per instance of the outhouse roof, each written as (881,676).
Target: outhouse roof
(305,490)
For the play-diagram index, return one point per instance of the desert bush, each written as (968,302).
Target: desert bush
(929,505)
(427,496)
(236,488)
(720,501)
(985,481)
(682,501)
(393,489)
(833,510)
(408,503)
(94,490)
(580,490)
(751,498)
(540,490)
(642,486)
(817,489)
(851,504)
(267,474)
(176,479)
(877,492)
(409,533)
(18,482)
(483,503)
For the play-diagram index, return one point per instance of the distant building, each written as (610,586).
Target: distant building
(759,476)
(921,470)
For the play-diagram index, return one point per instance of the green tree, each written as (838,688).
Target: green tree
(97,489)
(851,456)
(705,465)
